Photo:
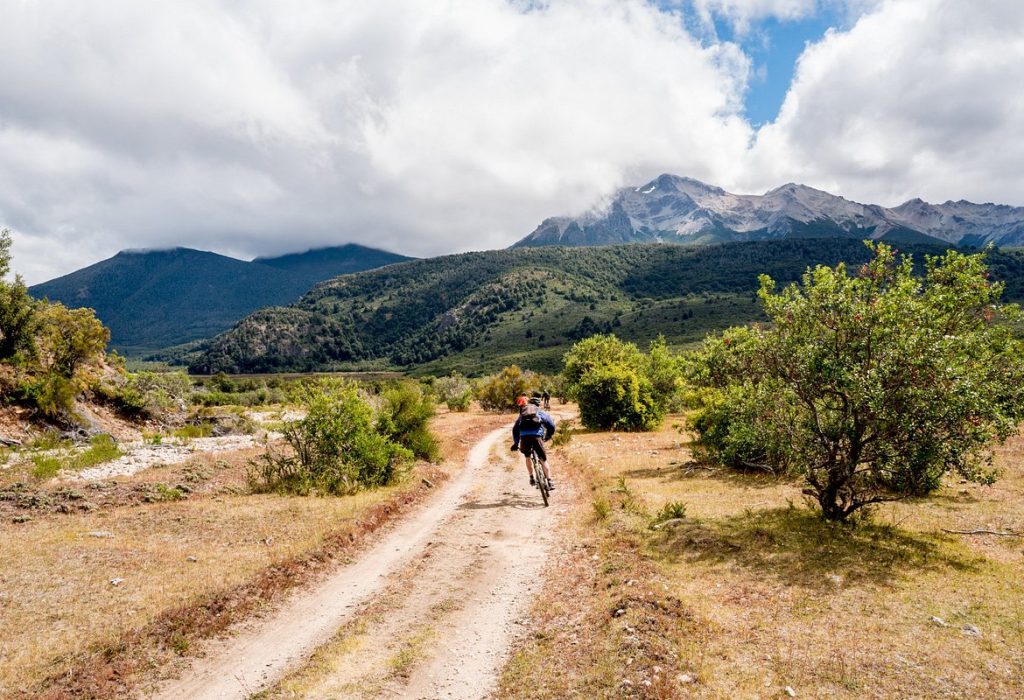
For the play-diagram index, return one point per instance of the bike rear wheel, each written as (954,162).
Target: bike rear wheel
(541,478)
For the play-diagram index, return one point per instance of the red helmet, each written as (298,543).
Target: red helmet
(521,401)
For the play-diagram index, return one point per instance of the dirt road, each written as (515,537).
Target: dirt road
(428,612)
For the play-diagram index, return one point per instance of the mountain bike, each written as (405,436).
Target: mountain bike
(540,477)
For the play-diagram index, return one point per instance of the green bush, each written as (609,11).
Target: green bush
(51,394)
(618,387)
(596,352)
(739,427)
(150,394)
(335,449)
(454,391)
(872,386)
(615,397)
(499,393)
(673,510)
(403,417)
(18,321)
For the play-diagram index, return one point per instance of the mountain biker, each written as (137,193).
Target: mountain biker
(531,429)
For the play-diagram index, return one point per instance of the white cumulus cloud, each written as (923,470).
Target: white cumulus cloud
(415,125)
(919,98)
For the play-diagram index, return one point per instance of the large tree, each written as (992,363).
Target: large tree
(872,386)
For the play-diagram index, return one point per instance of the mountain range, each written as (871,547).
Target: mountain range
(673,209)
(160,298)
(478,312)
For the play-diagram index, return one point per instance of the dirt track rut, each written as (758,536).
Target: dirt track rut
(447,588)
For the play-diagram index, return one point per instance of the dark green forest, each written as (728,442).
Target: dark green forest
(475,312)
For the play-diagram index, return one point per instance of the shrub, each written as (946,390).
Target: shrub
(333,450)
(874,385)
(739,427)
(51,394)
(18,320)
(673,510)
(618,387)
(454,391)
(403,418)
(615,397)
(499,393)
(595,352)
(150,394)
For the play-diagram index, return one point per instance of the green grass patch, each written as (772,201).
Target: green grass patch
(102,448)
(192,431)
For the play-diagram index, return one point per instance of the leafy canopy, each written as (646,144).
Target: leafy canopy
(617,386)
(871,386)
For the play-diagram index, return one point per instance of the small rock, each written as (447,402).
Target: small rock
(619,613)
(116,581)
(685,678)
(99,533)
(790,692)
(21,518)
(971,631)
(938,621)
(191,558)
(835,579)
(626,683)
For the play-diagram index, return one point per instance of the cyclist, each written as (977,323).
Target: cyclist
(531,429)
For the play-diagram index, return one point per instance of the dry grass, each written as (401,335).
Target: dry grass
(756,593)
(184,570)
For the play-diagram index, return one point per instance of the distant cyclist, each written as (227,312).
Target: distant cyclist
(531,429)
(547,399)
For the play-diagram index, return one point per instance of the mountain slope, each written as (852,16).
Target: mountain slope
(479,311)
(157,299)
(323,263)
(682,210)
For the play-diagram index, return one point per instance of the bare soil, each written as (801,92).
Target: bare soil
(432,608)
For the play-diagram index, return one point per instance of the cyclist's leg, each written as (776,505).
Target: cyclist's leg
(525,449)
(542,457)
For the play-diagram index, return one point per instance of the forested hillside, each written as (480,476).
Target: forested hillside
(478,311)
(160,298)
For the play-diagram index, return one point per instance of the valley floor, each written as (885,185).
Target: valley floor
(468,587)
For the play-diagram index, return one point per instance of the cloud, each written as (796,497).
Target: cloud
(414,125)
(742,13)
(922,98)
(429,127)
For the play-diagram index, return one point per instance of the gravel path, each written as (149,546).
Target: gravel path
(459,572)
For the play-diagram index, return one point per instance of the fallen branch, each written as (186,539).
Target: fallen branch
(9,442)
(984,532)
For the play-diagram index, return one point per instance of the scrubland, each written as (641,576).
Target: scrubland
(752,594)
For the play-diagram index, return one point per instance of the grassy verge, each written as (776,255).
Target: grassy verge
(750,594)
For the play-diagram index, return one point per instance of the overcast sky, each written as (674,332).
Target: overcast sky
(252,127)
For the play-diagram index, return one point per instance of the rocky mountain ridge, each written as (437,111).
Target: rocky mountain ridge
(676,209)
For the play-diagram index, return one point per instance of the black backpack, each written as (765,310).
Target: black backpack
(529,417)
